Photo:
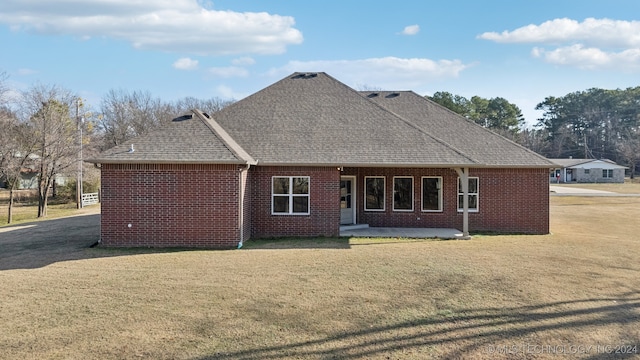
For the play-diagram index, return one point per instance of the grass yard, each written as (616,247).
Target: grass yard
(629,187)
(30,213)
(572,294)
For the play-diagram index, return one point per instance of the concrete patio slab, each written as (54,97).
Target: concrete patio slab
(387,232)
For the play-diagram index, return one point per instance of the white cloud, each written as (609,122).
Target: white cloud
(591,44)
(243,61)
(186,64)
(411,30)
(590,58)
(228,72)
(592,32)
(168,25)
(388,72)
(226,92)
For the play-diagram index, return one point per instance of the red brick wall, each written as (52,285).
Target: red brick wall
(170,205)
(510,200)
(324,217)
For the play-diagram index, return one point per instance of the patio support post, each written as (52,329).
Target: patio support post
(463,173)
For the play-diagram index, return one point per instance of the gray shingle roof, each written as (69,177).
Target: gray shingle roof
(313,119)
(188,139)
(483,146)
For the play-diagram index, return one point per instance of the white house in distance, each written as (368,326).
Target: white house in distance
(587,171)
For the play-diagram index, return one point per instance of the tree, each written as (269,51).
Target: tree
(629,147)
(595,123)
(15,152)
(496,114)
(456,103)
(125,115)
(47,118)
(210,106)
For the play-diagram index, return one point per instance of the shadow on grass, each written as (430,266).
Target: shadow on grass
(484,332)
(40,243)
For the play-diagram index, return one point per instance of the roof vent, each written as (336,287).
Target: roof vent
(372,95)
(392,95)
(305,76)
(206,115)
(131,149)
(183,118)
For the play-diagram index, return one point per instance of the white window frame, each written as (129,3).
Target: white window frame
(607,173)
(476,194)
(291,195)
(384,193)
(394,194)
(440,185)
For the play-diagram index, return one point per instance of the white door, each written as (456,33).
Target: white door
(347,206)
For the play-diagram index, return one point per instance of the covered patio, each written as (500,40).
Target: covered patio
(397,232)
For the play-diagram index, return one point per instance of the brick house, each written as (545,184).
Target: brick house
(308,154)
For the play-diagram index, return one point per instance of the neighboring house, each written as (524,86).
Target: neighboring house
(307,154)
(586,171)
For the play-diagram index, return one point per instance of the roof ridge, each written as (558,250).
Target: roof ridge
(223,135)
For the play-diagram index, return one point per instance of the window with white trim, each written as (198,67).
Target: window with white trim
(402,193)
(290,195)
(607,173)
(473,192)
(374,193)
(431,193)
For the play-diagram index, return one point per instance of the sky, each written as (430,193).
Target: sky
(523,51)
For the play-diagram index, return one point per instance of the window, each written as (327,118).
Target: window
(587,171)
(431,194)
(607,173)
(473,194)
(374,193)
(402,193)
(290,195)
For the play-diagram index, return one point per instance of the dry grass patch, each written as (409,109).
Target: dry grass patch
(24,213)
(338,298)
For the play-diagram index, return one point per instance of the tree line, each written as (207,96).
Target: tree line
(590,124)
(45,129)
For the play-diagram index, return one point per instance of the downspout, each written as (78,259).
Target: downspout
(241,188)
(463,173)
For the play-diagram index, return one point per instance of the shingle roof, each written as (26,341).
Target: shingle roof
(313,119)
(480,144)
(188,139)
(569,163)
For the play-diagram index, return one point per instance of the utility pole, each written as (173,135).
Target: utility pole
(79,179)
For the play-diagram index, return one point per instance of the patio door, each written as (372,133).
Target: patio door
(347,200)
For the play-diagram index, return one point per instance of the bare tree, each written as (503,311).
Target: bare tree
(46,112)
(629,148)
(126,115)
(210,106)
(15,153)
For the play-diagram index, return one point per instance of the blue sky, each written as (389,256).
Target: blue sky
(523,51)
